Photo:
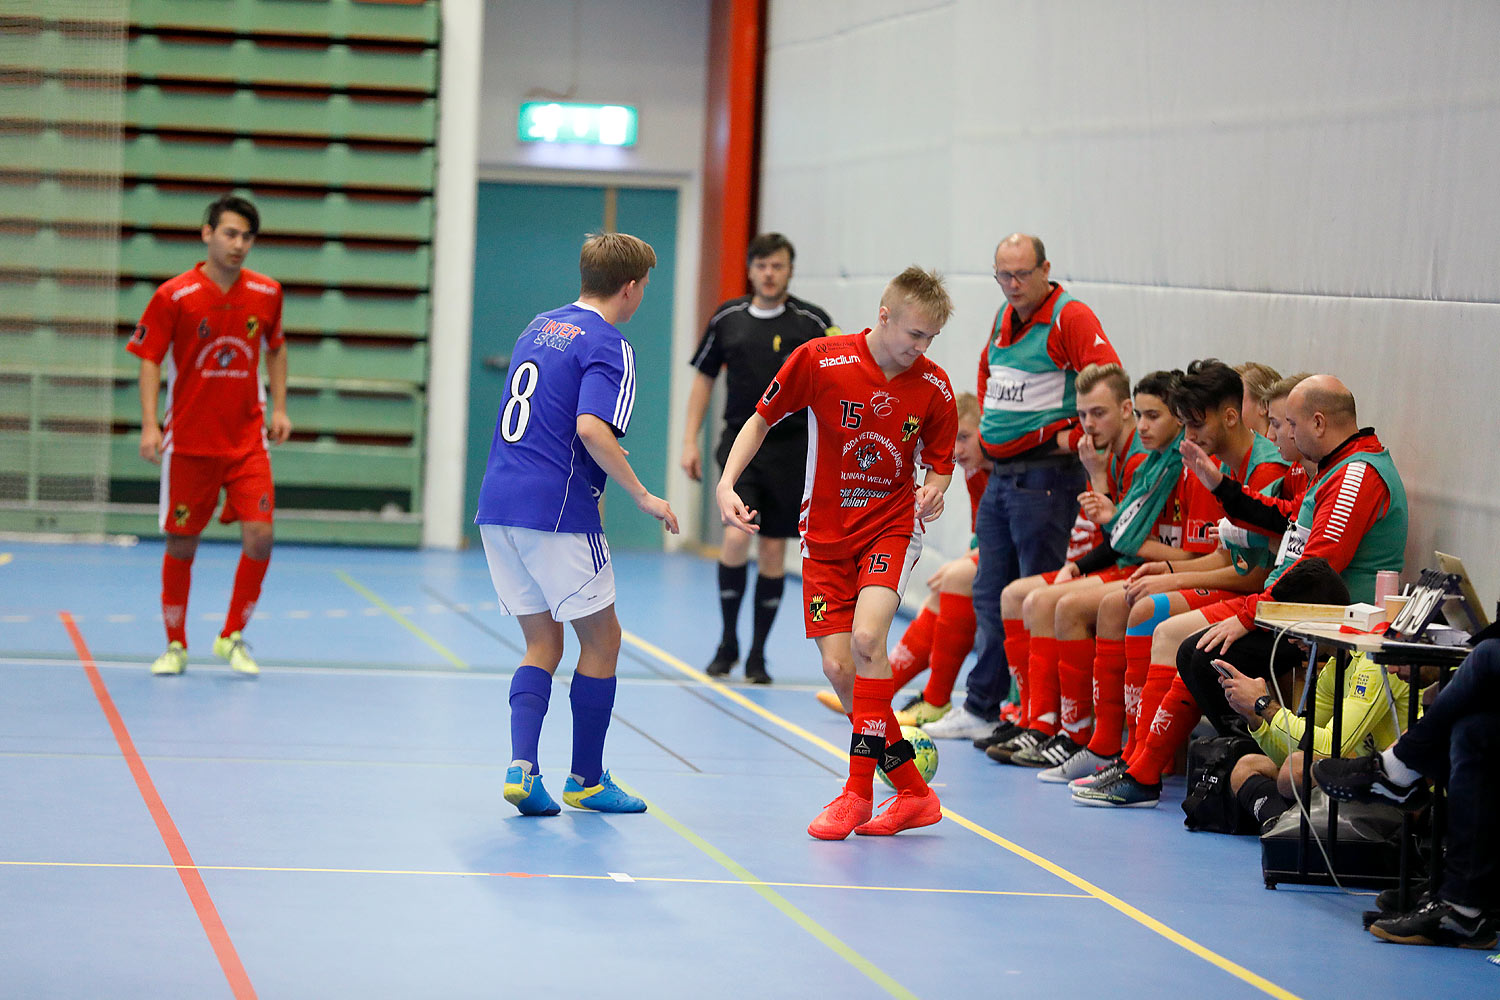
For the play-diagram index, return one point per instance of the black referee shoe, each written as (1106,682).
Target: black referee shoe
(755,669)
(723,661)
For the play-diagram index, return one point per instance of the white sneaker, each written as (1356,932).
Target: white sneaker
(1084,763)
(959,724)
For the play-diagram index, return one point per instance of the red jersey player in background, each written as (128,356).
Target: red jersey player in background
(877,409)
(207,326)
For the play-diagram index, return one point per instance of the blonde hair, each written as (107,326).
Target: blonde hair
(922,289)
(1283,387)
(1258,379)
(610,261)
(968,407)
(1113,374)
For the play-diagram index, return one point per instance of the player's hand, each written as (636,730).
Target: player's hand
(1150,569)
(1202,465)
(1222,635)
(659,509)
(732,510)
(692,461)
(929,502)
(151,444)
(1240,691)
(1144,586)
(1068,572)
(281,427)
(1091,457)
(1096,506)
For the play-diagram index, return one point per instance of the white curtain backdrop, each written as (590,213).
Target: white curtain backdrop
(1314,185)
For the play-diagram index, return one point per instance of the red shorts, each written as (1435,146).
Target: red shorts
(831,586)
(1219,611)
(1110,574)
(190,486)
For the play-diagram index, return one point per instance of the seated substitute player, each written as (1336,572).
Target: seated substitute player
(1111,451)
(942,634)
(1255,407)
(748,339)
(568,395)
(879,409)
(213,321)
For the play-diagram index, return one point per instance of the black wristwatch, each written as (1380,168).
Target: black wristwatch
(1261,704)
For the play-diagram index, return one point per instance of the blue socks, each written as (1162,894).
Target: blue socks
(593,699)
(530,689)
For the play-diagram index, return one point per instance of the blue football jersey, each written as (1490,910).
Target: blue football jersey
(570,361)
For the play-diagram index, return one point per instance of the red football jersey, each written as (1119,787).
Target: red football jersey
(866,436)
(1085,535)
(211,340)
(977,481)
(1202,509)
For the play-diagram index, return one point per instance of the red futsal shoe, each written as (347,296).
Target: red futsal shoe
(907,811)
(841,816)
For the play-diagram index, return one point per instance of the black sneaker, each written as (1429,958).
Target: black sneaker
(1363,779)
(755,669)
(1003,731)
(1436,922)
(1388,901)
(912,702)
(723,662)
(1049,753)
(1024,739)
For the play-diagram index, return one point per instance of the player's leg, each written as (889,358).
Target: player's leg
(779,498)
(189,490)
(952,639)
(592,696)
(1102,683)
(734,556)
(1063,685)
(1036,679)
(250,498)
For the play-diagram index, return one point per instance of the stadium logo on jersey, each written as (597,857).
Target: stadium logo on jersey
(557,335)
(261,287)
(139,336)
(771,390)
(817,606)
(252,327)
(909,427)
(180,514)
(203,330)
(882,402)
(866,457)
(839,359)
(941,385)
(190,289)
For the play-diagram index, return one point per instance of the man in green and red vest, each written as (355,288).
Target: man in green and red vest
(1041,339)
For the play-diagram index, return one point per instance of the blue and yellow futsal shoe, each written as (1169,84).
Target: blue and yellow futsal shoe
(525,792)
(605,797)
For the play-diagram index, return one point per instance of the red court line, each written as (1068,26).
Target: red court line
(208,916)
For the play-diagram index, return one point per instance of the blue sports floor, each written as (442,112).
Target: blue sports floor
(334,828)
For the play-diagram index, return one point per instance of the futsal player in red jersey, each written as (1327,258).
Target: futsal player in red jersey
(208,328)
(877,408)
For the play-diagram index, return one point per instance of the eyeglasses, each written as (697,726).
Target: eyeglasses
(1004,276)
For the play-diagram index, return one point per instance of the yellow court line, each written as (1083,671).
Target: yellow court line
(1144,919)
(401,619)
(827,938)
(667,879)
(5,557)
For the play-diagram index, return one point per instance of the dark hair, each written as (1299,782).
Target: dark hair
(766,244)
(1311,581)
(1207,385)
(1160,384)
(232,203)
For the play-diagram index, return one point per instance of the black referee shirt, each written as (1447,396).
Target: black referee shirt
(751,349)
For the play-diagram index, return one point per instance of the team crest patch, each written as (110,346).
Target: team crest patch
(816,607)
(180,514)
(909,427)
(252,327)
(265,502)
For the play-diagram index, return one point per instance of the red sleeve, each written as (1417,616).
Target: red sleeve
(276,337)
(153,334)
(1078,340)
(790,390)
(940,429)
(1127,475)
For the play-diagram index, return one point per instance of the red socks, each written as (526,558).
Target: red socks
(910,656)
(1018,655)
(1167,730)
(873,722)
(1041,678)
(1137,666)
(247,580)
(1075,668)
(1109,696)
(176,579)
(950,644)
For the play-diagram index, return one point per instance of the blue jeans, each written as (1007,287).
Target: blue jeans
(1023,524)
(1459,738)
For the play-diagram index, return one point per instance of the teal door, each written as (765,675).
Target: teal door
(527,238)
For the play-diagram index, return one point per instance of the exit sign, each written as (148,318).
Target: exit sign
(591,124)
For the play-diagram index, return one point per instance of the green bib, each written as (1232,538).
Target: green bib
(1025,389)
(1258,553)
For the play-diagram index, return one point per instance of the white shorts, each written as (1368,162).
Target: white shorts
(533,571)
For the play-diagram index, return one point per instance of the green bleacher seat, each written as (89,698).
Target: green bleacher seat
(329,263)
(247,161)
(403,22)
(333,215)
(247,61)
(325,116)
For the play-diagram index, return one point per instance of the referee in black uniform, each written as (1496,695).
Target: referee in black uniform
(749,338)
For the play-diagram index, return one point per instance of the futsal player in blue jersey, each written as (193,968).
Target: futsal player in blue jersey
(568,396)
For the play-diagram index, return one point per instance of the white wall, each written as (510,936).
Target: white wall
(1313,185)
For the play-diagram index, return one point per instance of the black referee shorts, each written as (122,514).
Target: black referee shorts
(772,484)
